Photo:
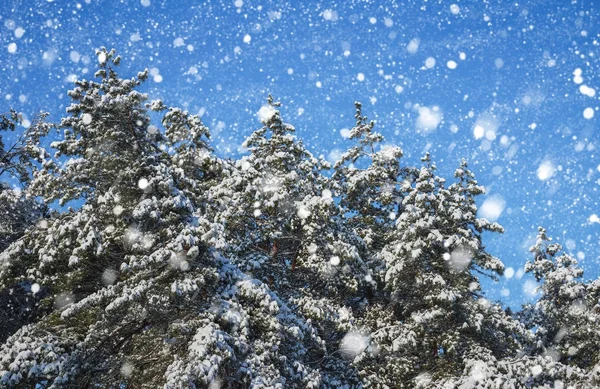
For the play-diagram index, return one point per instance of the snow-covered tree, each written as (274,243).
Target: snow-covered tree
(274,216)
(18,160)
(432,314)
(368,178)
(566,316)
(135,299)
(168,266)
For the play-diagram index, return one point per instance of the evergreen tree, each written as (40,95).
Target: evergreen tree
(566,315)
(370,195)
(17,212)
(276,218)
(171,267)
(432,316)
(17,164)
(134,297)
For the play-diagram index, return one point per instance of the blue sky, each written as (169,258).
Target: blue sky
(510,86)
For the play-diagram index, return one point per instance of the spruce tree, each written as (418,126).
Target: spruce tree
(565,316)
(135,299)
(368,178)
(432,316)
(18,160)
(275,217)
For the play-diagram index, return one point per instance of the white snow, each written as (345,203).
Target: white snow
(74,56)
(86,118)
(117,210)
(19,32)
(10,24)
(413,46)
(429,118)
(478,132)
(101,58)
(353,344)
(303,212)
(451,64)
(266,113)
(247,38)
(545,171)
(127,368)
(577,78)
(492,208)
(588,113)
(460,258)
(509,272)
(360,77)
(530,288)
(215,384)
(109,276)
(587,91)
(12,48)
(455,9)
(486,126)
(62,300)
(330,15)
(145,3)
(143,183)
(430,63)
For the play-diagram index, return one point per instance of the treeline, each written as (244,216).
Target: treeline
(176,268)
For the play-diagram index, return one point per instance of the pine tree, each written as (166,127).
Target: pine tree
(18,161)
(276,218)
(370,195)
(566,315)
(434,316)
(134,296)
